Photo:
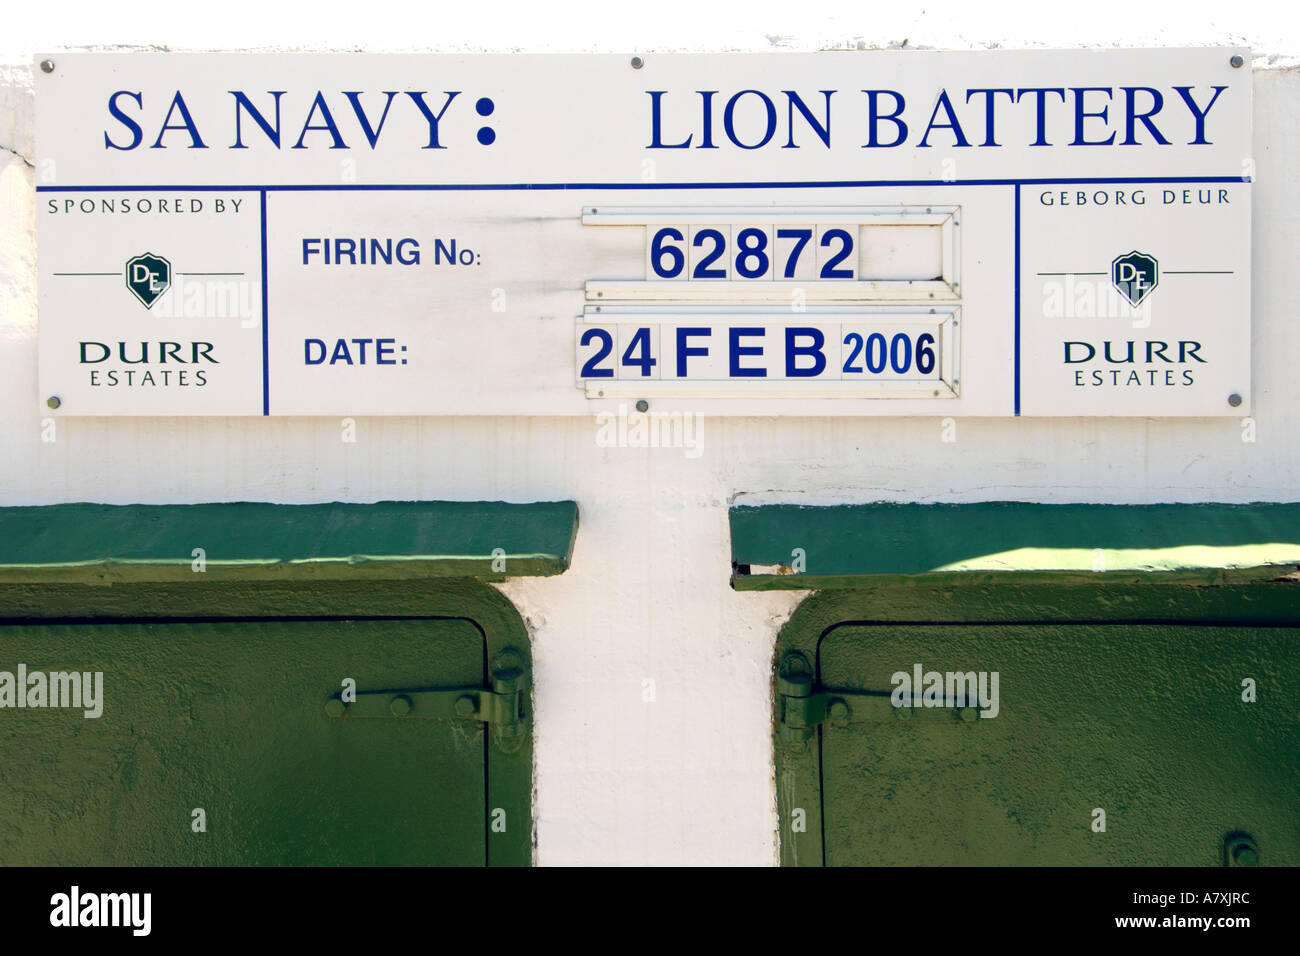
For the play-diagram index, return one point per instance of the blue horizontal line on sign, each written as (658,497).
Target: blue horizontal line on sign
(840,184)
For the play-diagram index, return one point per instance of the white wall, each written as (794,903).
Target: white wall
(688,778)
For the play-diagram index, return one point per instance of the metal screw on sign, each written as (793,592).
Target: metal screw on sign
(53,401)
(642,405)
(637,63)
(47,66)
(1234,399)
(1237,61)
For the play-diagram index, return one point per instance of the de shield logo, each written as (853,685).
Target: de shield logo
(148,276)
(1135,275)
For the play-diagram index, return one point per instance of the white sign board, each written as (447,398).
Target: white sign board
(880,233)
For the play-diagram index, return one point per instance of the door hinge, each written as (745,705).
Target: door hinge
(501,706)
(802,706)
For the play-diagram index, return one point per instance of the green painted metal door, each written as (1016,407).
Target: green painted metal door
(230,718)
(1146,723)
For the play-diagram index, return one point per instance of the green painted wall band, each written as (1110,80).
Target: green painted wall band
(801,547)
(249,541)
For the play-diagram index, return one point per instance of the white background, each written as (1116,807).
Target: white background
(687,779)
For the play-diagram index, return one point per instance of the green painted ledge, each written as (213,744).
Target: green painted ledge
(254,541)
(847,546)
